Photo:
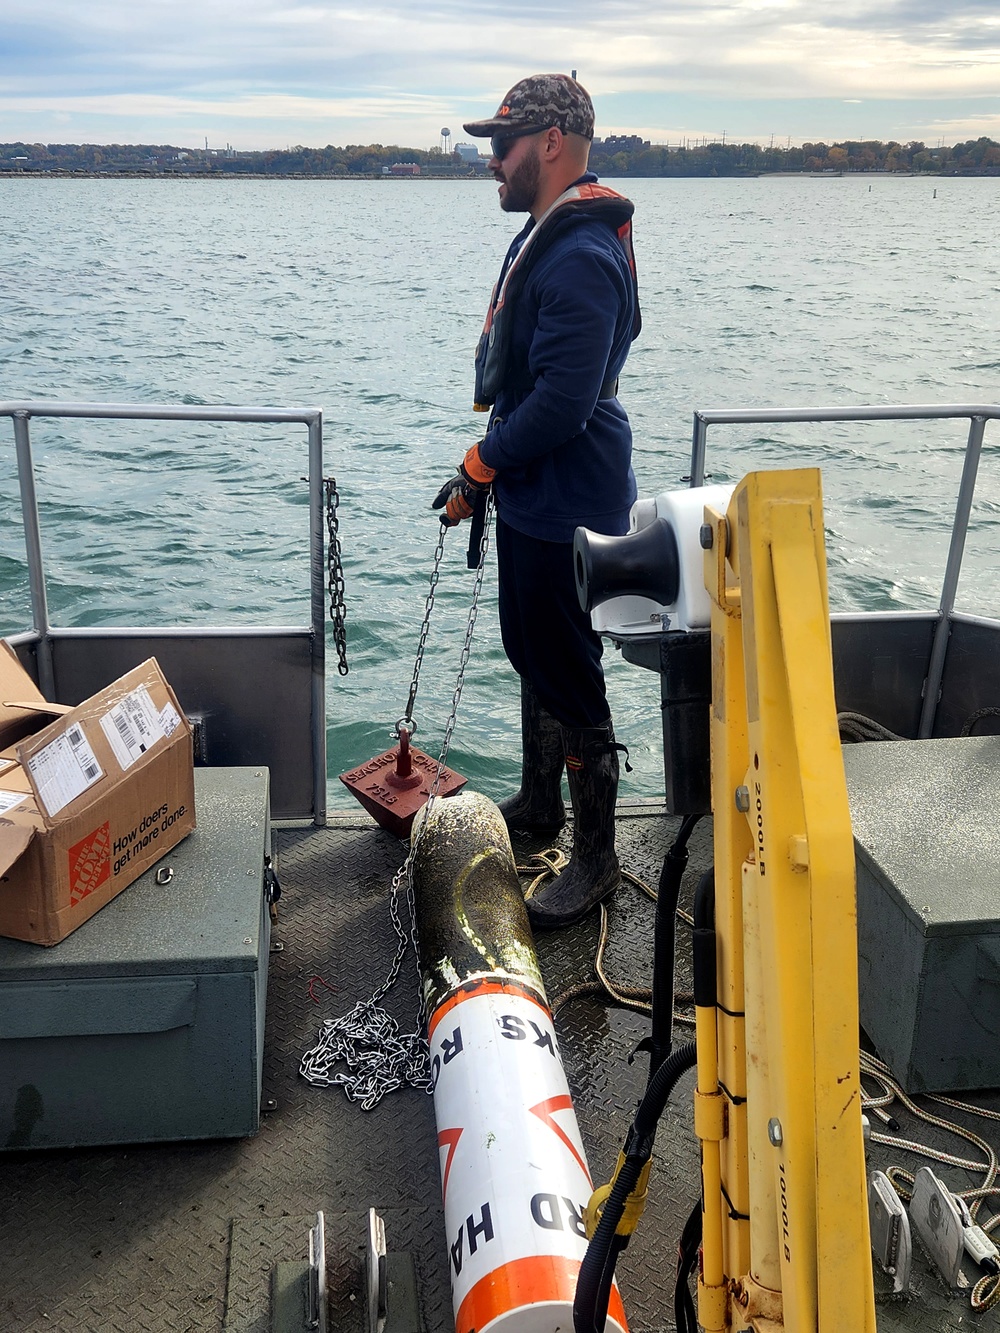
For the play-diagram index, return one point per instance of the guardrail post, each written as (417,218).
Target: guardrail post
(33,548)
(317,601)
(942,630)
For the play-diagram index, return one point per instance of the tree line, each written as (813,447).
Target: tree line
(977,157)
(619,157)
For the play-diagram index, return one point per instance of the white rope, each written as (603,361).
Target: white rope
(986,1292)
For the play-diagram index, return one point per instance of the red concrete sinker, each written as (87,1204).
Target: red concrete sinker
(393,786)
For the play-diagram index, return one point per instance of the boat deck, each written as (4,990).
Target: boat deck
(183,1238)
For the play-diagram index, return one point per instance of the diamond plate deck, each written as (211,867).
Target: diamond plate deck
(182,1238)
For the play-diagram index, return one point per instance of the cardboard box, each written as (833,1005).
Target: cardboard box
(88,801)
(147,1025)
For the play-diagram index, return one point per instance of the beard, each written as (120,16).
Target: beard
(521,186)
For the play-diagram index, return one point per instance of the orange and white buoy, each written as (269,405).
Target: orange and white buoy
(514,1172)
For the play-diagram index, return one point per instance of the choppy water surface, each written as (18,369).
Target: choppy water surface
(365,298)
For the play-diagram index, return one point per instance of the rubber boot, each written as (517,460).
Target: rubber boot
(592,874)
(538,806)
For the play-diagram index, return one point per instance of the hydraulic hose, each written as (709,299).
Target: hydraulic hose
(664,944)
(685,1319)
(593,1286)
(707,1037)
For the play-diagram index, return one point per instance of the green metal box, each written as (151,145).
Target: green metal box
(147,1023)
(927,845)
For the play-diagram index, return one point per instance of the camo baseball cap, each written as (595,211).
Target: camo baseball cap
(541,101)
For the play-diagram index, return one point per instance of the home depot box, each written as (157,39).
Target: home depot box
(88,801)
(147,1024)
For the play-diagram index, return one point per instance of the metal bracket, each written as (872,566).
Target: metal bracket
(199,744)
(938,1223)
(316,1288)
(890,1229)
(391,1285)
(299,1301)
(272,889)
(375,1271)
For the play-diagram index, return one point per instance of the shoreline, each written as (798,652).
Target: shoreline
(81,174)
(476,178)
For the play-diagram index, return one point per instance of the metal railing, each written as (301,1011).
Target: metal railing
(977,416)
(43,633)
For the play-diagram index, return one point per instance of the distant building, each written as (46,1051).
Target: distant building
(405,169)
(623,143)
(468,152)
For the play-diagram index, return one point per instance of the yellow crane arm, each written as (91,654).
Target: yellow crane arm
(786,1240)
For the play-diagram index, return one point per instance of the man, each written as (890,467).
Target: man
(558,456)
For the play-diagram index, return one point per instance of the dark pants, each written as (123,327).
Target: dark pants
(546,636)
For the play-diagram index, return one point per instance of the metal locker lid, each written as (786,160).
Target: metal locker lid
(925,827)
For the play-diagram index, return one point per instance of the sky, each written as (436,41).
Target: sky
(259,74)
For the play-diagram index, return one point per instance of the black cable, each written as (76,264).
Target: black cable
(685,1319)
(618,1243)
(977,716)
(858,727)
(597,1269)
(704,902)
(593,1288)
(664,944)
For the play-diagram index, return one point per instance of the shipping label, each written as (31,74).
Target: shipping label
(132,726)
(170,719)
(8,799)
(64,769)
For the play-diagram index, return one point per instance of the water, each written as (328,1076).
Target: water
(366,298)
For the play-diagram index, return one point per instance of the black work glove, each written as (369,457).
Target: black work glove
(458,495)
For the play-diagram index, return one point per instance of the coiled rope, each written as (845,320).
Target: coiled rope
(549,863)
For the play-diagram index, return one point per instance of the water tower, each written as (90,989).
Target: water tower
(446,140)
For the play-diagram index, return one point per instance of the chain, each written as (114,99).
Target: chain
(422,641)
(367,1040)
(484,546)
(335,573)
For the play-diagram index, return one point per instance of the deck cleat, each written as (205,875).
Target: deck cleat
(937,1221)
(890,1231)
(394,785)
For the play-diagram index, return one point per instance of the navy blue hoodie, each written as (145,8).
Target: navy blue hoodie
(563,456)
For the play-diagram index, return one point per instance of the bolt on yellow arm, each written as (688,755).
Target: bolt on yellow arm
(778,1102)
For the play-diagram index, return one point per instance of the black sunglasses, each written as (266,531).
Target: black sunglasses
(502,143)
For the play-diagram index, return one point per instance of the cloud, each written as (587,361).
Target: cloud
(259,70)
(281,107)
